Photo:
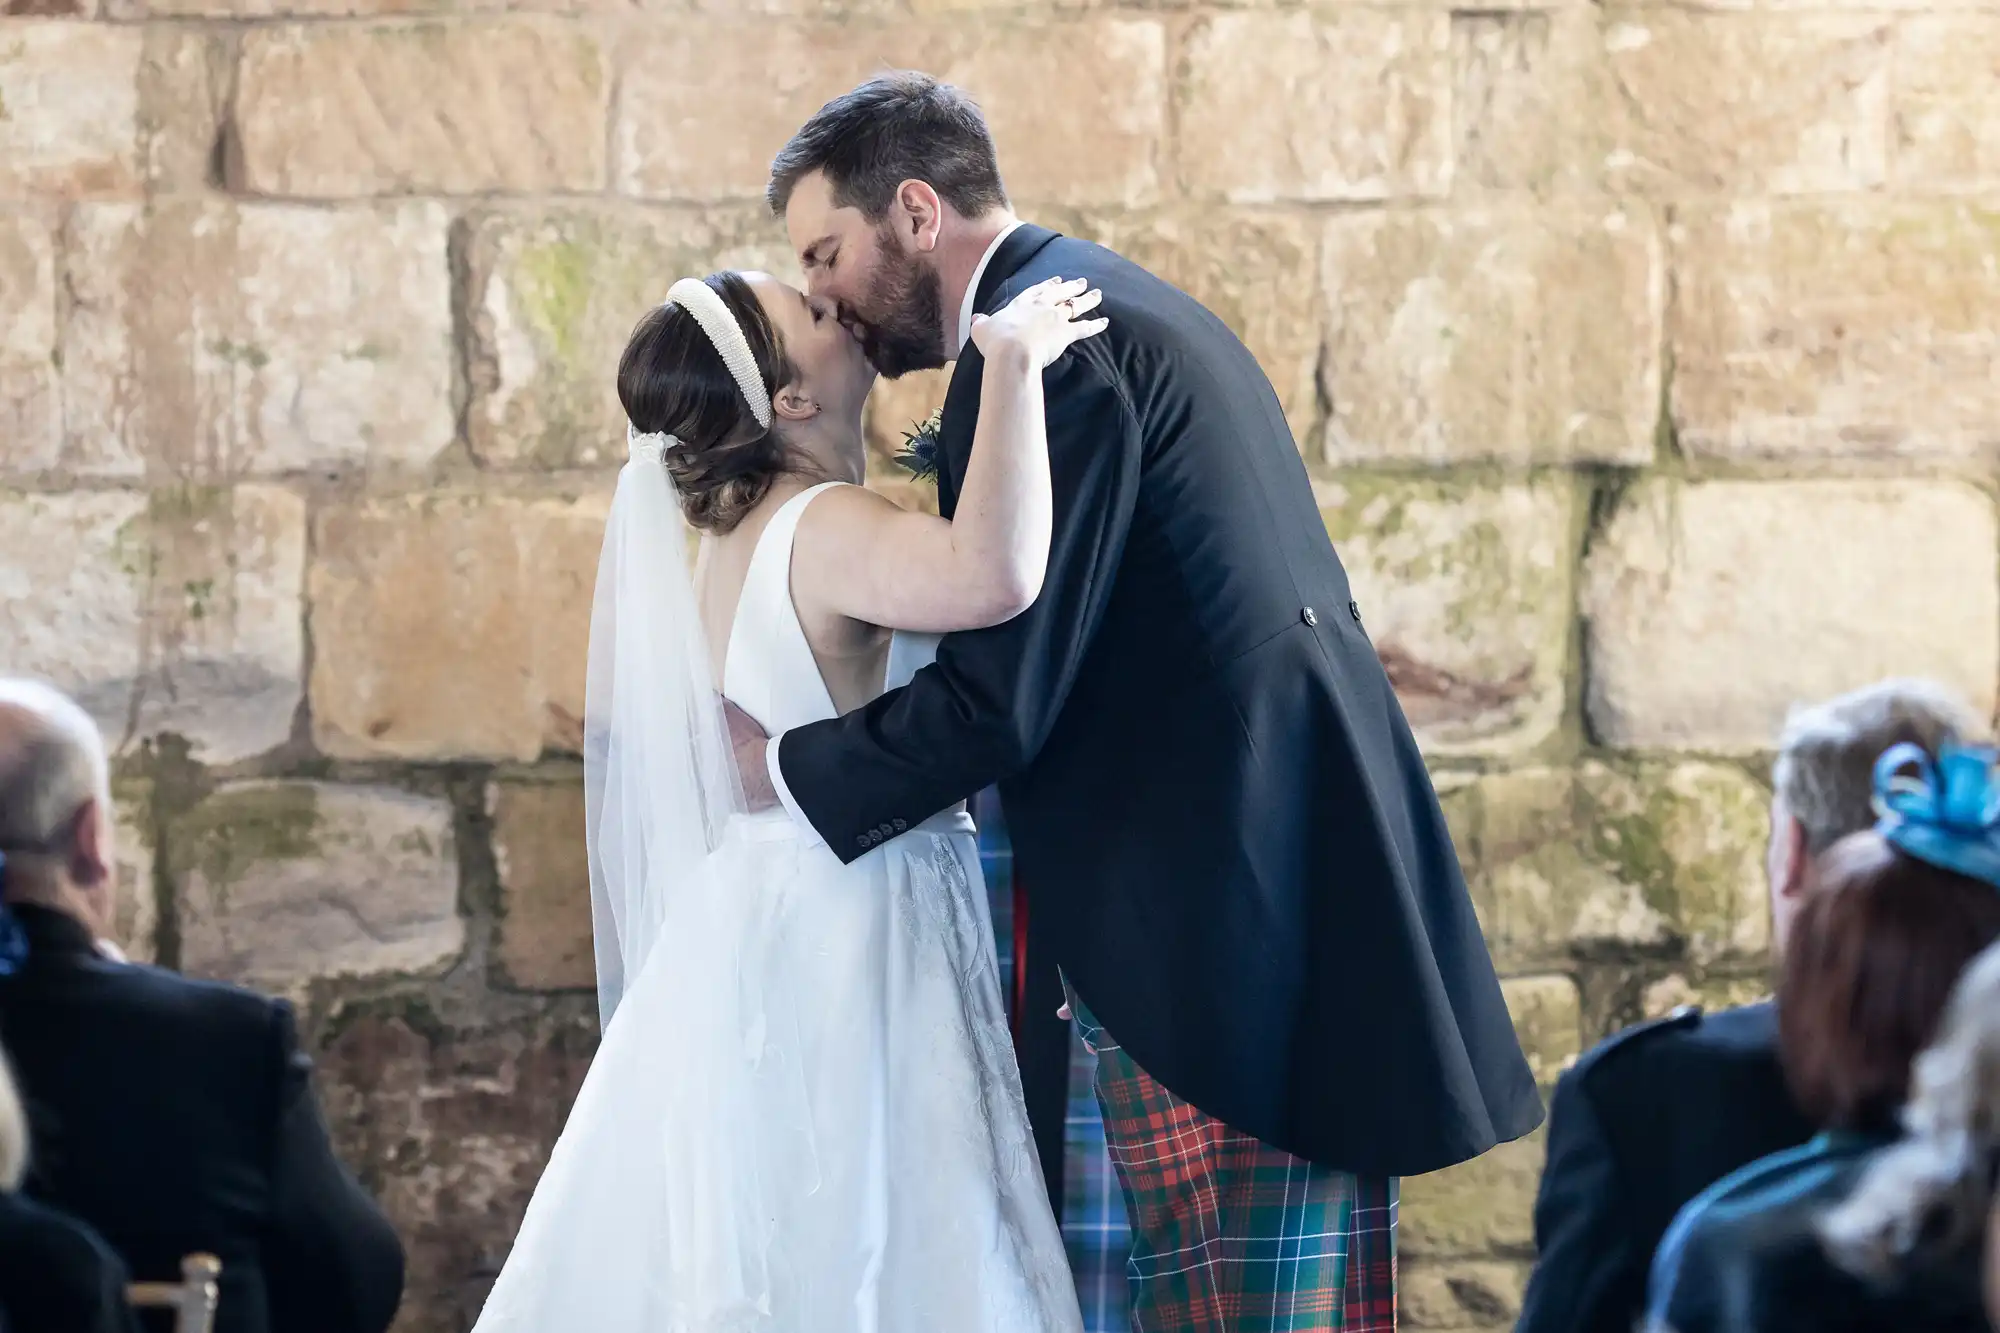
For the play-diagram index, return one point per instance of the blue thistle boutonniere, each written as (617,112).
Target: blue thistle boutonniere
(920,447)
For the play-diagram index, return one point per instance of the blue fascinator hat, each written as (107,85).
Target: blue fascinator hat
(1944,812)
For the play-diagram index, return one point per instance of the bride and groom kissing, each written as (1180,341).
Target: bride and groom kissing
(806,1115)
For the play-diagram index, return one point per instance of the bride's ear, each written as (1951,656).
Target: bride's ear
(793,403)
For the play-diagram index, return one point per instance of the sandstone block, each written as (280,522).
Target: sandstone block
(553,298)
(184,81)
(538,845)
(1712,608)
(1676,989)
(476,106)
(176,613)
(70,93)
(1461,1295)
(453,626)
(1548,1018)
(450,1129)
(1510,335)
(1671,102)
(1946,127)
(30,390)
(1466,593)
(1253,270)
(1534,103)
(1655,855)
(1852,329)
(373,9)
(762,80)
(1350,106)
(281,883)
(1483,1205)
(897,407)
(136,910)
(1764,103)
(1078,108)
(212,340)
(49,9)
(1038,82)
(1691,836)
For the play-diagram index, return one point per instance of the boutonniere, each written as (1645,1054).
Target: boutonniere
(920,447)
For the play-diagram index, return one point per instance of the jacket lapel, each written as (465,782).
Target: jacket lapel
(961,400)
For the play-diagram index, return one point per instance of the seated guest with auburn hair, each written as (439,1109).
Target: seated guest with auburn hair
(1893,920)
(1920,1217)
(1657,1113)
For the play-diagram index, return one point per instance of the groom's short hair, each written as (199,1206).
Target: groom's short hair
(898,126)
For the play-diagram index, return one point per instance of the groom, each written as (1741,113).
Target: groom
(1230,844)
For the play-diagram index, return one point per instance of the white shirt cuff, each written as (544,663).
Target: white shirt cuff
(785,793)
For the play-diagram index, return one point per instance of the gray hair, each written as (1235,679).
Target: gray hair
(1825,771)
(1931,1191)
(52,763)
(13,1132)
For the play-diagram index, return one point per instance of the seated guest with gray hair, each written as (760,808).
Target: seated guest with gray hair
(56,1274)
(1875,1226)
(1659,1112)
(174,1116)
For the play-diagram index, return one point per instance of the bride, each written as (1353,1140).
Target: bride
(805,1115)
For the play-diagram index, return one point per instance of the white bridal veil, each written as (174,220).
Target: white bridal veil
(660,782)
(697,1065)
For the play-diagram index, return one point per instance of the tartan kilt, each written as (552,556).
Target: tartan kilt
(1232,1234)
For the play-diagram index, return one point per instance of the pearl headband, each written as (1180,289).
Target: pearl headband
(726,336)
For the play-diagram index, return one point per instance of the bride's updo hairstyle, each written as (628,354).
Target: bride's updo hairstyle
(674,382)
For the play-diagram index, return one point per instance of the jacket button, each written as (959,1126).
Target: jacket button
(863,841)
(1354,609)
(902,826)
(1310,616)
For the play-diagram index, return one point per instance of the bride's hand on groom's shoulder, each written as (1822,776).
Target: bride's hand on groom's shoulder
(1041,323)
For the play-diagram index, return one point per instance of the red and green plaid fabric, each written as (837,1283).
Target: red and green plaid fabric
(1093,1220)
(1230,1234)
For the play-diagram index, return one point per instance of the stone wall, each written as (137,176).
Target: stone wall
(1644,356)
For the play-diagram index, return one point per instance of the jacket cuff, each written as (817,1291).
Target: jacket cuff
(785,793)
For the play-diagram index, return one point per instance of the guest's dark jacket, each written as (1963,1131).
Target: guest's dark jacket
(1226,833)
(1643,1123)
(177,1116)
(1746,1257)
(57,1275)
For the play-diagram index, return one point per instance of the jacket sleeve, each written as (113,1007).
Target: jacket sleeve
(982,712)
(1588,1276)
(333,1261)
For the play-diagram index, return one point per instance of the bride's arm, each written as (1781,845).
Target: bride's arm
(861,556)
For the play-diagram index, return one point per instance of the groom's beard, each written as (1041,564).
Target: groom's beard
(903,321)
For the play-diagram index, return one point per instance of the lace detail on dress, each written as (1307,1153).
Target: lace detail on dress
(941,911)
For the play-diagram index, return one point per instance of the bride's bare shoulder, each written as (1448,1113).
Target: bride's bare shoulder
(836,513)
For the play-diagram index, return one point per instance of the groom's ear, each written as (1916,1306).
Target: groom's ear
(918,215)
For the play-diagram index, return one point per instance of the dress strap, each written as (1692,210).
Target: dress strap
(771,562)
(770,672)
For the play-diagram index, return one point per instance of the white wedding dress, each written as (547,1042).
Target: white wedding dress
(832,1139)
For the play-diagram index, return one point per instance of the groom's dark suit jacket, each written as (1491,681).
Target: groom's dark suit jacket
(1229,841)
